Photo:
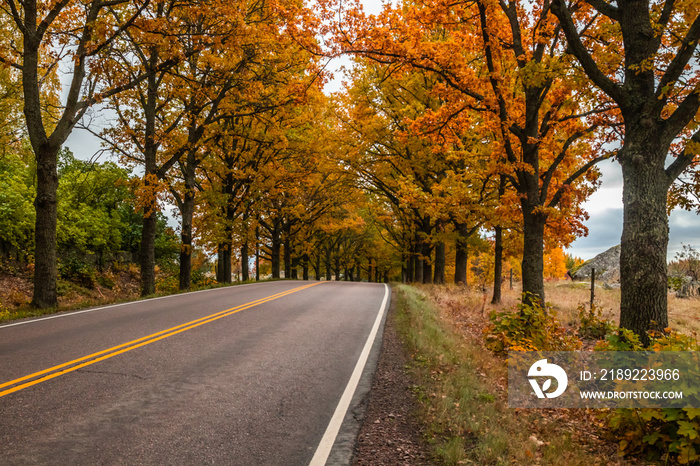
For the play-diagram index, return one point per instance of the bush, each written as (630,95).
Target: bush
(106,281)
(200,280)
(676,282)
(528,328)
(592,324)
(77,271)
(669,434)
(168,284)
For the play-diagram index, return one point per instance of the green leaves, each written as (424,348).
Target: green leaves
(90,196)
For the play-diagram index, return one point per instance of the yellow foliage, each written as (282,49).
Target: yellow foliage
(555,264)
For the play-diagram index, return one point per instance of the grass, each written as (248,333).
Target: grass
(463,388)
(566,297)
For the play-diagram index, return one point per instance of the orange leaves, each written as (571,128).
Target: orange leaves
(148,190)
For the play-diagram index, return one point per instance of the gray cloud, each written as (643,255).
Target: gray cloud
(684,229)
(605,229)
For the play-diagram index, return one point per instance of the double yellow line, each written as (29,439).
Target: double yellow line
(70,366)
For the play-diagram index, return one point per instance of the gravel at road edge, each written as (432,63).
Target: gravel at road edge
(391,433)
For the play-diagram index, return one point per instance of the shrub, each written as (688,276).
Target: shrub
(676,282)
(5,313)
(106,281)
(529,327)
(200,280)
(77,271)
(168,284)
(658,433)
(591,322)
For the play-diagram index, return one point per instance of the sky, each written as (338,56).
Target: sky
(604,206)
(605,222)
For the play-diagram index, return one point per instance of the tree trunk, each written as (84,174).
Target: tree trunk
(150,177)
(245,268)
(317,265)
(498,250)
(533,256)
(187,213)
(439,277)
(404,268)
(287,256)
(410,265)
(148,255)
(461,254)
(275,255)
(220,263)
(294,268)
(257,257)
(223,270)
(418,261)
(186,259)
(46,205)
(497,266)
(328,264)
(643,274)
(427,266)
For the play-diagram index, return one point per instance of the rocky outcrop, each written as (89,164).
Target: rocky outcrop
(606,265)
(689,290)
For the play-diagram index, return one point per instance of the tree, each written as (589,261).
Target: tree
(73,34)
(91,197)
(190,70)
(655,82)
(430,175)
(543,130)
(17,192)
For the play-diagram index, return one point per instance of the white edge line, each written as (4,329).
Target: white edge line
(326,444)
(73,313)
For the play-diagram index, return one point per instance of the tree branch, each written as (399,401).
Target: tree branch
(682,58)
(683,160)
(605,8)
(565,185)
(608,86)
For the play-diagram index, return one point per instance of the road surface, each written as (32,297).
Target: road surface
(246,375)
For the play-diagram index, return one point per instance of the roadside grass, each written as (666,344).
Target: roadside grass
(463,391)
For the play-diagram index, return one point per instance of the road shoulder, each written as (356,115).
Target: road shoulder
(390,433)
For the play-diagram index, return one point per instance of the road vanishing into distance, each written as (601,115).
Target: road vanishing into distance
(257,374)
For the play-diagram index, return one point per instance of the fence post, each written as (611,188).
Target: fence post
(592,287)
(511,278)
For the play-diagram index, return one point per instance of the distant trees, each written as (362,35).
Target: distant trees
(505,96)
(96,221)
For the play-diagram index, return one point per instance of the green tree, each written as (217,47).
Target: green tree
(90,200)
(17,192)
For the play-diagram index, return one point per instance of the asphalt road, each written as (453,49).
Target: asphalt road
(132,384)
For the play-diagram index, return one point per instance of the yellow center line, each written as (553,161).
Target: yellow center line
(124,347)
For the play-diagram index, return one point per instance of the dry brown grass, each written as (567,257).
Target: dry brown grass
(566,297)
